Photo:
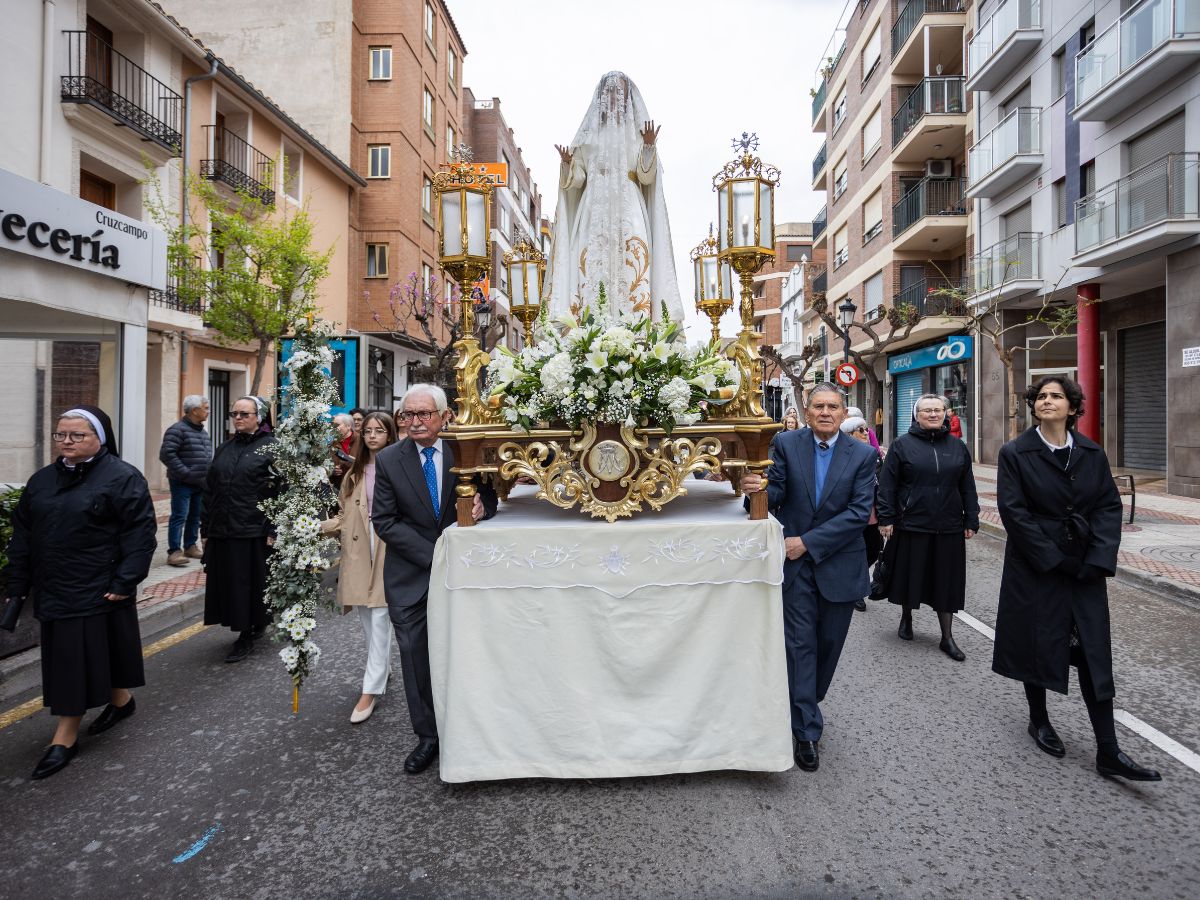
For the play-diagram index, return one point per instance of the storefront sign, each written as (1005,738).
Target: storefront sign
(1191,357)
(957,348)
(40,221)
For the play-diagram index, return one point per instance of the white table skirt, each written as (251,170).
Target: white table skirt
(580,649)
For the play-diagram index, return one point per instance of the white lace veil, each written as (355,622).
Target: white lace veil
(611,139)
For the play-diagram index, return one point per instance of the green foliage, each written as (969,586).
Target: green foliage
(8,506)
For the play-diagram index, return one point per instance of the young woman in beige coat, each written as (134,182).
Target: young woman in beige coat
(360,581)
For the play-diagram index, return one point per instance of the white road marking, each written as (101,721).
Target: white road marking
(1163,742)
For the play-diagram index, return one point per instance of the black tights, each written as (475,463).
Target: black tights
(945,621)
(1099,711)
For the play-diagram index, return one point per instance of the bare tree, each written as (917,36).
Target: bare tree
(796,370)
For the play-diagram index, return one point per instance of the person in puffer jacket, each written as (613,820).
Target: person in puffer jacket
(186,452)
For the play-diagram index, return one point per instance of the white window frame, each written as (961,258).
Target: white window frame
(427,108)
(379,160)
(381,60)
(452,69)
(869,150)
(839,110)
(427,195)
(430,23)
(376,253)
(839,183)
(451,139)
(874,42)
(872,230)
(842,256)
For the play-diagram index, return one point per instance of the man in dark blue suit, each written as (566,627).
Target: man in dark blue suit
(820,486)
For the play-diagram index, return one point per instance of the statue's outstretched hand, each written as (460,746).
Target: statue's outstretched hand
(564,153)
(650,133)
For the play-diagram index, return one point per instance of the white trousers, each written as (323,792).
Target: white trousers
(377,627)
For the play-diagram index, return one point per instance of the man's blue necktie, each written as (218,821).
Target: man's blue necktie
(431,481)
(822,467)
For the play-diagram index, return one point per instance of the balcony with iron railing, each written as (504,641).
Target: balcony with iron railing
(818,105)
(908,51)
(1008,269)
(820,281)
(819,163)
(931,216)
(1155,205)
(1146,47)
(238,164)
(936,296)
(187,294)
(1007,155)
(101,78)
(1002,43)
(820,222)
(931,122)
(830,58)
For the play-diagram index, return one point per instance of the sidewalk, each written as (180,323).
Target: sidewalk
(168,598)
(1159,551)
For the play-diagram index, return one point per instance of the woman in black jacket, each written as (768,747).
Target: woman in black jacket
(83,536)
(237,534)
(927,494)
(1062,513)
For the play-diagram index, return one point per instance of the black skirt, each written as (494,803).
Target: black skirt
(236,583)
(928,568)
(84,658)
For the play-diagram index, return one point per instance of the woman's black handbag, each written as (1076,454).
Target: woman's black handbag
(11,612)
(881,575)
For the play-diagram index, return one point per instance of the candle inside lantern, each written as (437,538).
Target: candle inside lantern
(745,229)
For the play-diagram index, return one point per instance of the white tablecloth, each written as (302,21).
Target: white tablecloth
(565,647)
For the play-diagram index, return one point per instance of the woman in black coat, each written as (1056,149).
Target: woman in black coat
(927,494)
(1062,513)
(83,537)
(237,534)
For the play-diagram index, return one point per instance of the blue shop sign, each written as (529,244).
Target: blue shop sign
(956,349)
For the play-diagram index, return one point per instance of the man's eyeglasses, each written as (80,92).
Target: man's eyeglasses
(73,437)
(240,414)
(423,415)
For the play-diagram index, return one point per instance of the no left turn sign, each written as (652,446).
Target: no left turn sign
(847,374)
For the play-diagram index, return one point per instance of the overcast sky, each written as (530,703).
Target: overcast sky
(707,70)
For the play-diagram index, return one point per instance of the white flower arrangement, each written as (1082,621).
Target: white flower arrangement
(301,460)
(621,369)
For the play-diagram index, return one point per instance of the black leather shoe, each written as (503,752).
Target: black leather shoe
(420,758)
(56,759)
(951,649)
(240,650)
(905,629)
(860,605)
(1119,766)
(806,755)
(111,716)
(1047,739)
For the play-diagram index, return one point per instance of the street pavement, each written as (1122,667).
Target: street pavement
(928,787)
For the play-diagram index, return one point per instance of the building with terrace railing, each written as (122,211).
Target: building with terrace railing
(1085,183)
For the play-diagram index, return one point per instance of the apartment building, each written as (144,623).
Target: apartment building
(88,312)
(1086,194)
(516,207)
(382,82)
(778,304)
(889,97)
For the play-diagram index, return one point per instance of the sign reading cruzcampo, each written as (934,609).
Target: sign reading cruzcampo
(44,222)
(957,348)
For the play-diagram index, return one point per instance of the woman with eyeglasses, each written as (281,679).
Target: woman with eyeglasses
(83,536)
(360,575)
(927,499)
(238,536)
(1062,515)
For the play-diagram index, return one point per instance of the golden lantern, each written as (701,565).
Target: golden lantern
(714,283)
(526,267)
(464,202)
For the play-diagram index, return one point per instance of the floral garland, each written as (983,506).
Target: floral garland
(616,368)
(303,464)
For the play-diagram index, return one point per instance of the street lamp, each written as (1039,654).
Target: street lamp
(526,268)
(846,311)
(714,283)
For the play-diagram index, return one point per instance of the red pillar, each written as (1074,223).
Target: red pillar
(1087,342)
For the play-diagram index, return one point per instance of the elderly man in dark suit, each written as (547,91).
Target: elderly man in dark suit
(820,486)
(414,502)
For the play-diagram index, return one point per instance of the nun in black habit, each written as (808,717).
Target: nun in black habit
(83,537)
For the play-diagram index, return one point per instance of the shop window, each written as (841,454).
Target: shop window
(380,378)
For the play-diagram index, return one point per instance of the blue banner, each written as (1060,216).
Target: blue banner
(957,348)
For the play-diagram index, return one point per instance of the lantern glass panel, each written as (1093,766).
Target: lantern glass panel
(698,278)
(766,234)
(533,282)
(743,213)
(476,224)
(726,280)
(723,216)
(516,283)
(711,274)
(452,223)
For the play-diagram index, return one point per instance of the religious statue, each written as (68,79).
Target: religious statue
(611,225)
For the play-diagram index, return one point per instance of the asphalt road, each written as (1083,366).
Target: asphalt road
(929,786)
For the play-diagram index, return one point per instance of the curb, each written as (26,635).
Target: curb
(1158,584)
(23,671)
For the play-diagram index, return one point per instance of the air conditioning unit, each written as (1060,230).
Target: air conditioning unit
(939,168)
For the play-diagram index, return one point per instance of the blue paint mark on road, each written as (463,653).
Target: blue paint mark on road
(199,845)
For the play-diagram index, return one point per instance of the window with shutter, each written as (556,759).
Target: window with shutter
(872,135)
(1019,220)
(839,178)
(873,216)
(839,110)
(871,53)
(872,295)
(841,248)
(1060,203)
(1162,139)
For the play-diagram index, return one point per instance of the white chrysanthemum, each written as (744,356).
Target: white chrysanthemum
(291,657)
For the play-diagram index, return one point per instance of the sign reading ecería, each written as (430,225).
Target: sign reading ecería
(41,221)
